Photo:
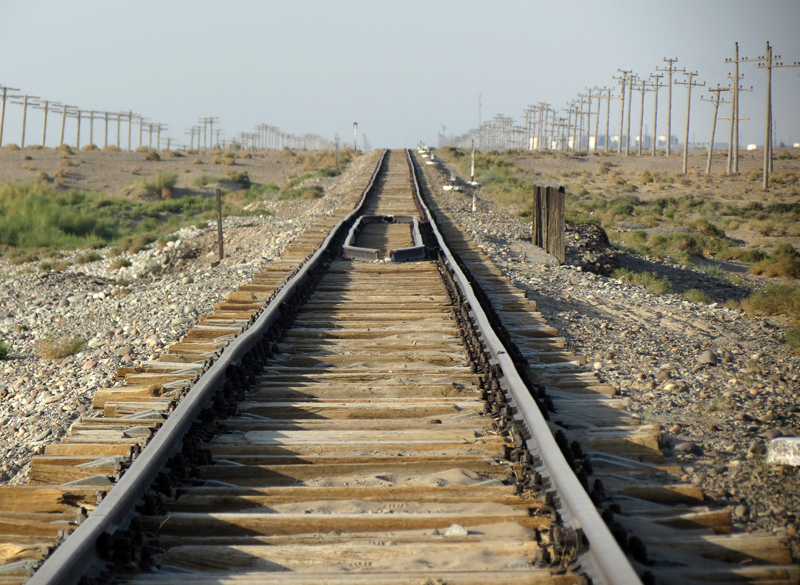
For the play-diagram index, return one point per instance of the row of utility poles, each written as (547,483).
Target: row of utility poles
(205,134)
(548,128)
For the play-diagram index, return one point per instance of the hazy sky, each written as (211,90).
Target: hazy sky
(402,70)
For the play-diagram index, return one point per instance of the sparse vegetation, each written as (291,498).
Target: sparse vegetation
(651,282)
(5,350)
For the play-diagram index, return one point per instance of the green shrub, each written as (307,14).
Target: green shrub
(694,295)
(205,179)
(88,257)
(163,180)
(651,282)
(307,192)
(783,262)
(792,336)
(5,350)
(774,299)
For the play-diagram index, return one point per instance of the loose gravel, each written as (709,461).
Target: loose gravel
(127,315)
(720,383)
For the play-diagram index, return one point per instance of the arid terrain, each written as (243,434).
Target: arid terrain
(714,377)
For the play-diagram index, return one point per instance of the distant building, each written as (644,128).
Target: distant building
(752,147)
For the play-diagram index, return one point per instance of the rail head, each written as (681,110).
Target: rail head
(607,563)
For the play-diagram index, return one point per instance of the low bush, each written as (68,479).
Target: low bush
(783,262)
(88,257)
(651,282)
(694,295)
(52,347)
(306,192)
(5,350)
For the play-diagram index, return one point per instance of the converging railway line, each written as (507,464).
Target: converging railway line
(372,408)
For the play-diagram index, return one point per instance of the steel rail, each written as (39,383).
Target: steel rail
(606,563)
(78,553)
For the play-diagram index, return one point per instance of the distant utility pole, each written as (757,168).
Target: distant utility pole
(608,118)
(64,114)
(3,107)
(355,135)
(643,90)
(45,106)
(623,80)
(633,79)
(159,128)
(733,145)
(208,128)
(336,147)
(25,105)
(130,127)
(716,101)
(141,129)
(656,86)
(689,83)
(599,91)
(671,69)
(91,126)
(78,115)
(768,62)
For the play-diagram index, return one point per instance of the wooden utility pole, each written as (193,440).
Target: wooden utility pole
(623,80)
(45,106)
(633,79)
(671,70)
(64,113)
(3,107)
(608,119)
(599,91)
(733,146)
(716,101)
(656,86)
(159,128)
(25,105)
(769,62)
(689,83)
(643,89)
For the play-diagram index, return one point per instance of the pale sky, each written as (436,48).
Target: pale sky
(402,70)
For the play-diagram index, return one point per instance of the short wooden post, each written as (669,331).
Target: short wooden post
(219,224)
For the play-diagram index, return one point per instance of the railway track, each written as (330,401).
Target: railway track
(341,421)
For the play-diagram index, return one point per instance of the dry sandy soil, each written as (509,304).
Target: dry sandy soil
(116,173)
(742,189)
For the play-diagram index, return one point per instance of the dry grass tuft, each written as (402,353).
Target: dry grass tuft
(89,147)
(53,348)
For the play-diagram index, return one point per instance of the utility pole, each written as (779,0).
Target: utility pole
(608,119)
(355,135)
(3,107)
(633,79)
(159,128)
(599,91)
(623,80)
(643,90)
(25,105)
(671,70)
(656,85)
(733,146)
(716,101)
(46,107)
(769,62)
(64,114)
(689,85)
